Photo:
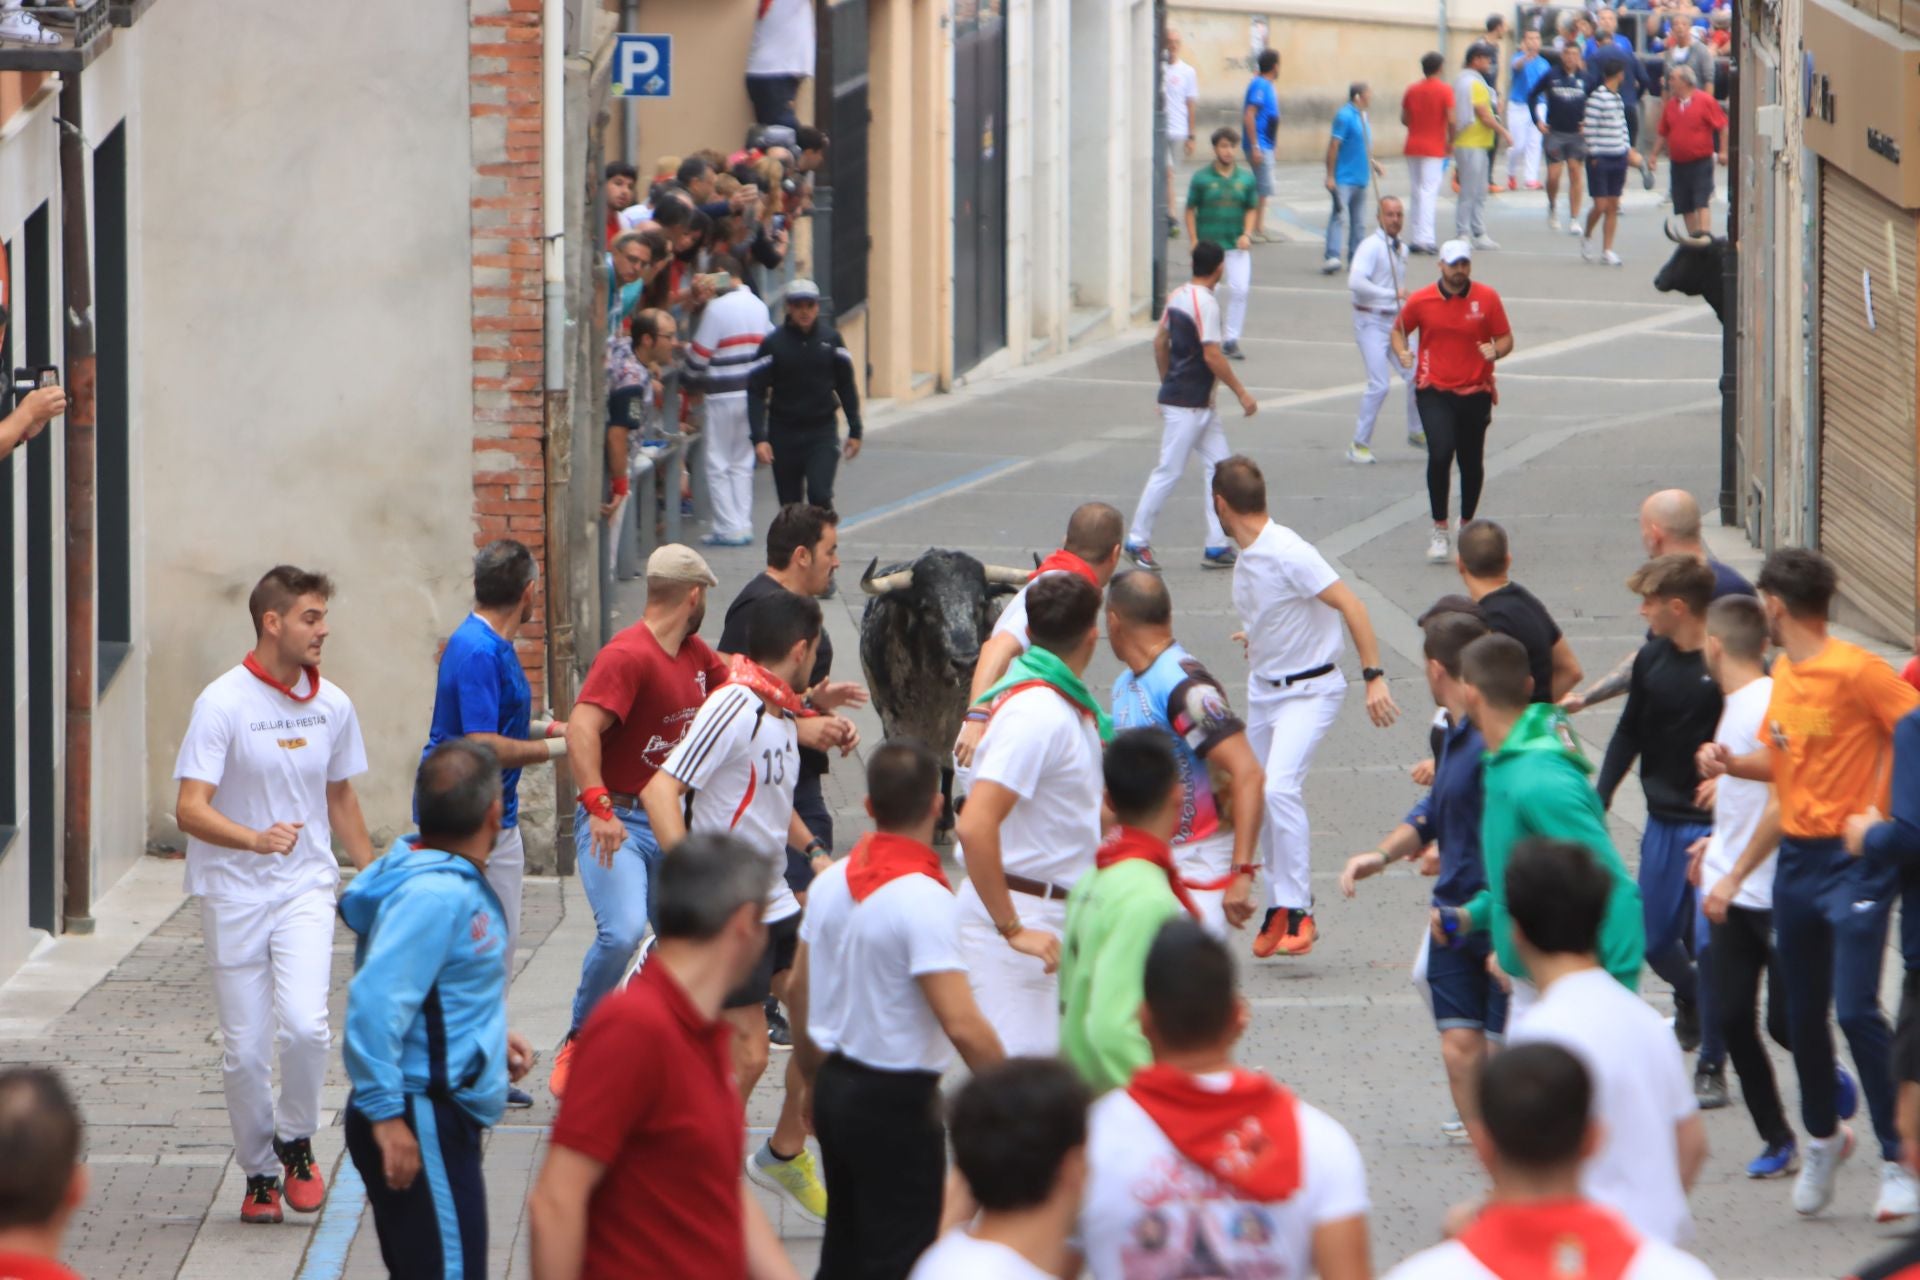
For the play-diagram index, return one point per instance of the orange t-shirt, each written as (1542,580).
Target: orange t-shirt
(1829,728)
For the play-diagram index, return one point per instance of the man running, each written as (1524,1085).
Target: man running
(1031,821)
(1216,844)
(1291,606)
(1187,353)
(265,771)
(1378,285)
(1196,1146)
(1559,105)
(1223,205)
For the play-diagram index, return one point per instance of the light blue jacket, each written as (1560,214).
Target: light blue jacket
(427,1007)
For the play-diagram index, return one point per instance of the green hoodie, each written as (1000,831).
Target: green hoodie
(1536,785)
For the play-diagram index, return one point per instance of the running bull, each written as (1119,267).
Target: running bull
(920,638)
(1697,269)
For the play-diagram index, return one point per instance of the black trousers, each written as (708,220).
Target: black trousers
(1456,427)
(884,1149)
(805,461)
(413,1225)
(1742,951)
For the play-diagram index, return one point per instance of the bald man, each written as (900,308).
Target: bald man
(1669,526)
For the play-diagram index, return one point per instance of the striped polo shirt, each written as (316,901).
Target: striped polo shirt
(725,343)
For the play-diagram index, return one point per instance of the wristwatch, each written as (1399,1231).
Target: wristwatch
(814,847)
(1369,674)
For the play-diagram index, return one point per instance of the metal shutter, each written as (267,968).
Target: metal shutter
(1867,423)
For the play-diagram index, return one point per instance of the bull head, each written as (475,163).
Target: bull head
(901,579)
(1695,269)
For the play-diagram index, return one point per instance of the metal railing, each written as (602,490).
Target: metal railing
(650,515)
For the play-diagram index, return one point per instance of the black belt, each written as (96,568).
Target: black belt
(1287,682)
(621,800)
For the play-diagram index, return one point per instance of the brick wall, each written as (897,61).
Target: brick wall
(509,471)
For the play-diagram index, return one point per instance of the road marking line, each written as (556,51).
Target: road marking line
(1686,312)
(914,501)
(339,1222)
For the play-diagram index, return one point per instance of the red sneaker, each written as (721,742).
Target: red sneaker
(1301,934)
(1513,184)
(562,1068)
(1271,933)
(306,1188)
(262,1202)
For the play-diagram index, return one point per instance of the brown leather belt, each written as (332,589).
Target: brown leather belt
(1034,888)
(621,800)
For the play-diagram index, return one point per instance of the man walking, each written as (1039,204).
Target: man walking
(427,1045)
(1426,109)
(1291,606)
(1463,330)
(1530,67)
(1351,169)
(265,771)
(1188,354)
(1180,91)
(722,357)
(806,371)
(1223,206)
(1694,129)
(1607,129)
(1559,106)
(1475,128)
(1378,283)
(1260,130)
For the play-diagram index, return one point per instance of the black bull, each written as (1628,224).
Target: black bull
(1697,269)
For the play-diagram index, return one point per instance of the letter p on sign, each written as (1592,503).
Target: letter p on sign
(643,66)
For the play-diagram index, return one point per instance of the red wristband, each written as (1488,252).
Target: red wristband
(596,801)
(1248,869)
(621,486)
(556,728)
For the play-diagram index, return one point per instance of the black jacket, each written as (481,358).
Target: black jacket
(806,375)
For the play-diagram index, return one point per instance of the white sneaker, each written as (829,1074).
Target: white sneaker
(1329,266)
(1455,1129)
(1611,259)
(1485,242)
(1577,227)
(1899,1198)
(1553,220)
(1439,547)
(1361,454)
(17,26)
(1586,248)
(1813,1189)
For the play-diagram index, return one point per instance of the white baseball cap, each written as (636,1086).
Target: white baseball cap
(1456,251)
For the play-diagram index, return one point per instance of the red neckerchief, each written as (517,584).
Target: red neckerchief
(1551,1240)
(1246,1135)
(1064,559)
(25,1266)
(1130,844)
(252,664)
(744,671)
(880,859)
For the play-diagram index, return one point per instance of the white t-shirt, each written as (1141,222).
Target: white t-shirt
(1451,1261)
(783,39)
(1149,1212)
(958,1256)
(1180,85)
(1275,588)
(1641,1091)
(1013,619)
(1045,750)
(269,759)
(1739,804)
(863,993)
(742,759)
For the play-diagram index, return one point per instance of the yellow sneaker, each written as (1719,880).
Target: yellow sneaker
(797,1181)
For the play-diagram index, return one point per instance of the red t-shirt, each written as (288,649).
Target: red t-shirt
(652,1097)
(1451,331)
(1911,672)
(24,1266)
(652,696)
(1428,105)
(1689,126)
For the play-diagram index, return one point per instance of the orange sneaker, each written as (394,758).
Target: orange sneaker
(562,1068)
(1267,941)
(1301,934)
(306,1188)
(262,1201)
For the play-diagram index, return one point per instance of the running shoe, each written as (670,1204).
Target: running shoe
(1686,1024)
(1813,1189)
(1898,1197)
(1710,1088)
(1301,934)
(306,1188)
(17,26)
(1417,439)
(1586,248)
(1142,555)
(1611,259)
(262,1201)
(1778,1160)
(1553,220)
(1439,549)
(1329,265)
(779,1034)
(1232,351)
(1485,242)
(1513,183)
(726,540)
(1576,227)
(1455,1129)
(1219,558)
(796,1181)
(1359,453)
(518,1099)
(1267,941)
(562,1068)
(1846,1094)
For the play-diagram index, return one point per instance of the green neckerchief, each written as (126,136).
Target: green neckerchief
(1047,667)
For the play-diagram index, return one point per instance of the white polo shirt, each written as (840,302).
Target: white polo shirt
(1046,751)
(1737,803)
(270,759)
(1452,1261)
(1149,1211)
(741,759)
(863,990)
(1276,584)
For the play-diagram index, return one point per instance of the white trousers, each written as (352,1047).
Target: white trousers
(1015,992)
(1207,861)
(506,870)
(1523,157)
(1233,289)
(1374,334)
(1284,727)
(1423,177)
(730,465)
(1183,432)
(271,963)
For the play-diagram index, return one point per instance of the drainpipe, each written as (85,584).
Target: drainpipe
(558,435)
(75,262)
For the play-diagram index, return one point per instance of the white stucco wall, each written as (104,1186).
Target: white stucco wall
(306,347)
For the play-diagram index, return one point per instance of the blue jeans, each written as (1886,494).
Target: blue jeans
(1670,909)
(1351,201)
(618,896)
(1830,917)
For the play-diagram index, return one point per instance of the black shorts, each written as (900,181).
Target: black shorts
(1561,147)
(1692,185)
(1606,176)
(783,939)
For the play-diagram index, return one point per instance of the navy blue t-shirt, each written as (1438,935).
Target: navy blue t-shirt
(1450,814)
(481,689)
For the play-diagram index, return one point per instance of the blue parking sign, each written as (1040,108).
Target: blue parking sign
(643,66)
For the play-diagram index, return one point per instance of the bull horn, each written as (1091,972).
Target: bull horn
(898,580)
(1002,576)
(1696,241)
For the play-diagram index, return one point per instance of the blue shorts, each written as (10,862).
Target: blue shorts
(1606,176)
(1465,996)
(1263,174)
